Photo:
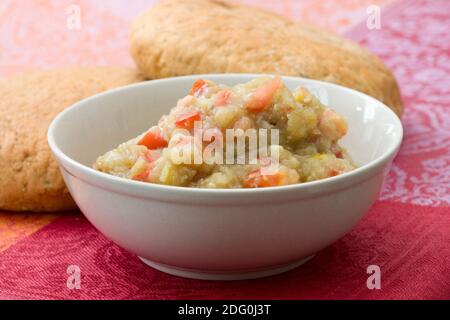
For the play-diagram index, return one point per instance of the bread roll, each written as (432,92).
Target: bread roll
(181,37)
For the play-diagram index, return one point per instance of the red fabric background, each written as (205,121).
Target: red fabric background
(412,252)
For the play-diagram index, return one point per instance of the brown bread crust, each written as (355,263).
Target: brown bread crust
(181,37)
(29,176)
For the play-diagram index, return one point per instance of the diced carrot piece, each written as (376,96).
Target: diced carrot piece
(263,96)
(223,98)
(143,176)
(198,88)
(187,120)
(333,172)
(252,180)
(153,140)
(257,180)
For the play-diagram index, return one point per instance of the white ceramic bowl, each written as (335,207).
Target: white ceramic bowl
(219,234)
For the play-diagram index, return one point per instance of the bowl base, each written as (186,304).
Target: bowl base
(228,275)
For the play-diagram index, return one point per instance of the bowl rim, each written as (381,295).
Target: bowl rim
(130,187)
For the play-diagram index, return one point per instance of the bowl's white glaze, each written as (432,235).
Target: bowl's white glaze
(219,234)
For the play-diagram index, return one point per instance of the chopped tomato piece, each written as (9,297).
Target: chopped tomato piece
(143,176)
(339,154)
(223,98)
(333,172)
(186,121)
(257,180)
(198,88)
(263,96)
(153,140)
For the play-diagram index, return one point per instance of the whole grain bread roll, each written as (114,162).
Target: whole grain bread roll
(29,176)
(180,37)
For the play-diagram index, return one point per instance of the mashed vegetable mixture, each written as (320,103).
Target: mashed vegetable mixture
(302,139)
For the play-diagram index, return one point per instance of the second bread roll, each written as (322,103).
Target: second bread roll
(180,37)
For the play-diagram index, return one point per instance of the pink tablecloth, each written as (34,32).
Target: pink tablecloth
(406,233)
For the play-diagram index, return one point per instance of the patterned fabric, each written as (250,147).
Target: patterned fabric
(14,227)
(415,43)
(406,233)
(413,255)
